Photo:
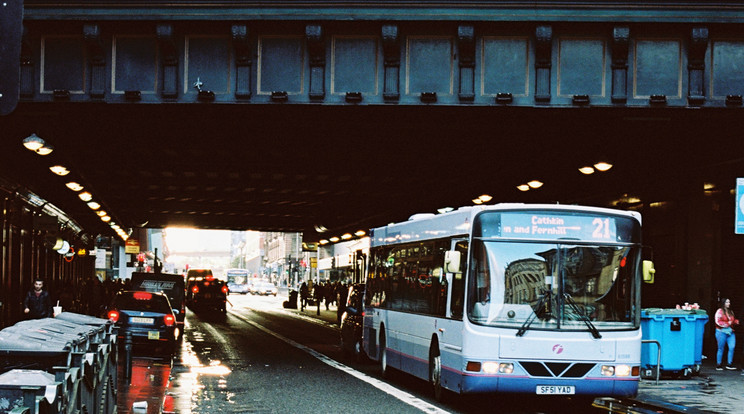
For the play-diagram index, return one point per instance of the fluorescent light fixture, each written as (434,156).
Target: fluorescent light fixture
(334,239)
(603,166)
(324,241)
(586,170)
(360,233)
(60,170)
(72,185)
(93,205)
(346,236)
(85,196)
(535,184)
(33,142)
(523,187)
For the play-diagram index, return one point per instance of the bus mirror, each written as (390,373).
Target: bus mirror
(648,271)
(452,261)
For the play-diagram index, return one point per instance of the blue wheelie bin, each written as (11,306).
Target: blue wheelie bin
(680,335)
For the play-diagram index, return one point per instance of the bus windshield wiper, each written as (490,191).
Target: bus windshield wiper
(538,310)
(582,316)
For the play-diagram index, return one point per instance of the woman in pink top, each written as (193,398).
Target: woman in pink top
(725,322)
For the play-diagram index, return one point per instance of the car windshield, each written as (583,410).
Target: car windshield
(142,301)
(553,285)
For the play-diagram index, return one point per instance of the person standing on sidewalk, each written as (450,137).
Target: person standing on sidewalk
(37,304)
(725,337)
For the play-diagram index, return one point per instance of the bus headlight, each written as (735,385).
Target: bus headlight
(622,370)
(491,367)
(608,370)
(506,368)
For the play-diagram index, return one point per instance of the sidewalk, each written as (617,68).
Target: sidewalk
(711,391)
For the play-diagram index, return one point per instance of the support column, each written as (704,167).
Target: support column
(391,52)
(696,65)
(466,60)
(543,62)
(168,60)
(317,51)
(96,60)
(620,41)
(243,61)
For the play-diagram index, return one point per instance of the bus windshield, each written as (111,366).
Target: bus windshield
(552,284)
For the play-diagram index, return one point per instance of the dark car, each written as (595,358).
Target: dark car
(352,322)
(172,285)
(148,316)
(204,291)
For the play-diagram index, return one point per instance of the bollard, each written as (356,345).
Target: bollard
(128,357)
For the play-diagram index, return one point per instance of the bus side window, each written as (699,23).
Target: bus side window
(458,282)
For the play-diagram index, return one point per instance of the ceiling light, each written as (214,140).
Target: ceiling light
(45,150)
(101,213)
(93,205)
(603,166)
(85,196)
(106,219)
(115,227)
(586,170)
(72,185)
(346,236)
(535,184)
(708,186)
(320,229)
(477,201)
(334,239)
(33,142)
(360,233)
(324,241)
(60,170)
(485,198)
(523,187)
(444,210)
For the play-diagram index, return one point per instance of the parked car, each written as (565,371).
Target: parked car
(264,288)
(352,322)
(148,316)
(204,291)
(172,285)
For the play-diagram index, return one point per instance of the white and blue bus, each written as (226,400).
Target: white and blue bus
(537,299)
(238,281)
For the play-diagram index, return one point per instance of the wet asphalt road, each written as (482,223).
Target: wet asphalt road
(260,359)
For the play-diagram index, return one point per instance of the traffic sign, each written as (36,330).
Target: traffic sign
(11,31)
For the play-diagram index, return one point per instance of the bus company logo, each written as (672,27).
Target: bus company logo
(557,349)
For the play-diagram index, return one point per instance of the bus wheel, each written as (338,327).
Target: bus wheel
(383,356)
(435,372)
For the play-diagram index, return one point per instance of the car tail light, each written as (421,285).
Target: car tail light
(113,315)
(225,289)
(143,295)
(169,320)
(195,289)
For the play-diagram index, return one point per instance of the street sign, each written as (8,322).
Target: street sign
(313,263)
(11,30)
(131,246)
(739,223)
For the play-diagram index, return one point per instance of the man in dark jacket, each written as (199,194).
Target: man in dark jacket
(37,303)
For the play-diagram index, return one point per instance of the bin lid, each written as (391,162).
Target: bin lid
(26,377)
(673,312)
(82,319)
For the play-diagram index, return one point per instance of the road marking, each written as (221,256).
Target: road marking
(380,385)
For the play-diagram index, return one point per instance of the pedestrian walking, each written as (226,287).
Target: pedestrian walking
(37,304)
(303,296)
(725,337)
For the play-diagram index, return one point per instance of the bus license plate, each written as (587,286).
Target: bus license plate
(556,390)
(153,335)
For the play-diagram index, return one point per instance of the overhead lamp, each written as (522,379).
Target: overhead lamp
(485,198)
(477,201)
(603,166)
(60,170)
(65,247)
(324,241)
(523,187)
(85,196)
(106,219)
(535,184)
(33,142)
(334,239)
(72,185)
(101,213)
(346,236)
(93,205)
(320,228)
(45,150)
(586,170)
(115,227)
(444,210)
(360,233)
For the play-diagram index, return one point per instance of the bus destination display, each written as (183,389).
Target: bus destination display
(557,226)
